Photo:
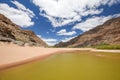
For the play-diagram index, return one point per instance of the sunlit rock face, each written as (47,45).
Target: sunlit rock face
(12,33)
(108,33)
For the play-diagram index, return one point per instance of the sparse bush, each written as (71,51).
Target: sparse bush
(108,46)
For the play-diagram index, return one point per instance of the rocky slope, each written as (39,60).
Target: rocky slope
(10,32)
(108,33)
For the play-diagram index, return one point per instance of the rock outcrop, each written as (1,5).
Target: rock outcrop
(10,32)
(108,33)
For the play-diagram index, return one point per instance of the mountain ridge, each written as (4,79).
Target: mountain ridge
(107,33)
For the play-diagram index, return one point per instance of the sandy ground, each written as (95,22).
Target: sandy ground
(12,55)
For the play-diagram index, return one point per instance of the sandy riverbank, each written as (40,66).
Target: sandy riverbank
(12,55)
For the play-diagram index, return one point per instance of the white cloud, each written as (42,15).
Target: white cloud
(93,22)
(39,36)
(49,41)
(111,2)
(62,12)
(65,33)
(67,39)
(21,16)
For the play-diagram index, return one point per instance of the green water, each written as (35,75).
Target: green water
(68,66)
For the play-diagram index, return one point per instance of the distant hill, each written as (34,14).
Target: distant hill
(108,33)
(10,32)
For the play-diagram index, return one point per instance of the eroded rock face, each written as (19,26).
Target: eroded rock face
(108,33)
(10,32)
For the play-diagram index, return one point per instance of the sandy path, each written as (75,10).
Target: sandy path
(15,55)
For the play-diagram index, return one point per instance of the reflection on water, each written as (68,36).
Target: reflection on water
(80,66)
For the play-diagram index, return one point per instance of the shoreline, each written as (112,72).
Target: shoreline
(12,56)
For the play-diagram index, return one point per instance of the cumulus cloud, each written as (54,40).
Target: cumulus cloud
(68,38)
(93,22)
(111,2)
(49,41)
(21,16)
(62,12)
(65,33)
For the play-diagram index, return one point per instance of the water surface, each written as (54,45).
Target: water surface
(82,65)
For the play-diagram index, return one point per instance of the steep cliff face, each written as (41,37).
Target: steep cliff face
(108,33)
(10,32)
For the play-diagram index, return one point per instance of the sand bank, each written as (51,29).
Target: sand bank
(12,55)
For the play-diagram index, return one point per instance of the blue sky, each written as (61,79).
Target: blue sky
(59,20)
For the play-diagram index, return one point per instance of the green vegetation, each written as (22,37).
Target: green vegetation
(107,46)
(82,65)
